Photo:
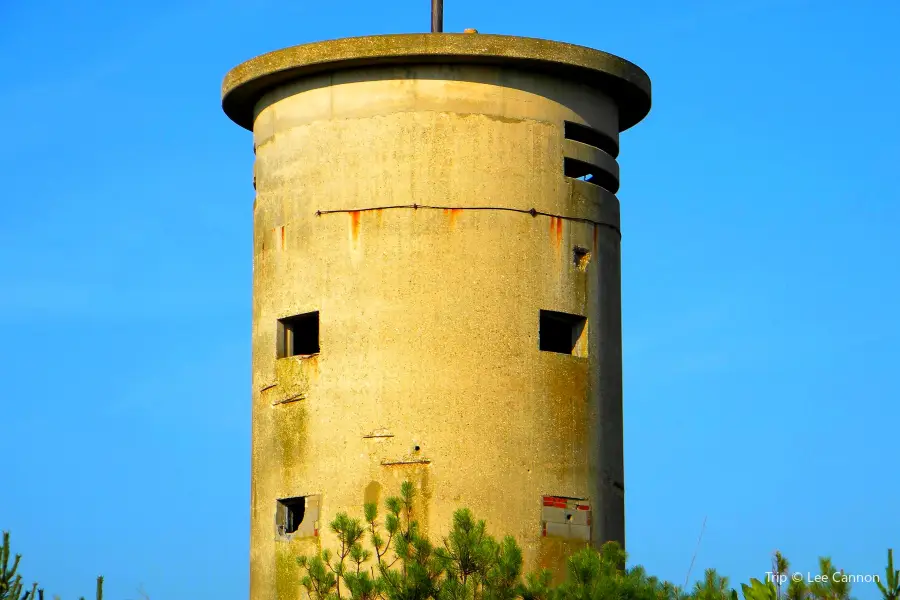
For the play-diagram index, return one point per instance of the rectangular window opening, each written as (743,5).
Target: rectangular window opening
(587,135)
(577,169)
(563,333)
(299,515)
(298,335)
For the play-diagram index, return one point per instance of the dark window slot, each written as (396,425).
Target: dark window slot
(561,332)
(589,173)
(591,137)
(299,335)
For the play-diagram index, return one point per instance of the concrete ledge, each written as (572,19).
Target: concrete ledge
(626,83)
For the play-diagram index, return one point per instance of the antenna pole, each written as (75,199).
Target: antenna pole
(694,557)
(437,16)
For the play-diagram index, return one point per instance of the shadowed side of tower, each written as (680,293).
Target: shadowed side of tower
(436,288)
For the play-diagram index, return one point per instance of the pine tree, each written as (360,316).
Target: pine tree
(10,580)
(832,584)
(890,589)
(780,567)
(470,564)
(713,587)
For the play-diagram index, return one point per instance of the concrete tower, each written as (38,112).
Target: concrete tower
(436,288)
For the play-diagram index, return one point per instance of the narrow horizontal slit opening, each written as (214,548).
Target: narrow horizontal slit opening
(589,173)
(586,135)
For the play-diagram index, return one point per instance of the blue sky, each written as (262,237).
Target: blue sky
(760,283)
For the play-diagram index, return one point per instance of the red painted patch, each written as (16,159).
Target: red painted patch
(282,237)
(559,231)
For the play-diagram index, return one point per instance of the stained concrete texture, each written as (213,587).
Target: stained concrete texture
(419,214)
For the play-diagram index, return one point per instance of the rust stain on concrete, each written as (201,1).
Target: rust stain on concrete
(354,225)
(452,215)
(556,231)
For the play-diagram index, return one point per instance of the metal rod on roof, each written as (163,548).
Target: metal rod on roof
(437,16)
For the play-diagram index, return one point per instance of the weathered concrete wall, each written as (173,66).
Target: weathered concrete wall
(430,367)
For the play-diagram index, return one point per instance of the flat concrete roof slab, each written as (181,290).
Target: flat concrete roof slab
(626,83)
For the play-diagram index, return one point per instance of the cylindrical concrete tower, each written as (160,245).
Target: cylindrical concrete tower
(436,288)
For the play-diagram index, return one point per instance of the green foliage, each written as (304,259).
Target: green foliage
(757,590)
(890,587)
(470,564)
(829,586)
(11,582)
(593,575)
(714,587)
(796,590)
(780,569)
